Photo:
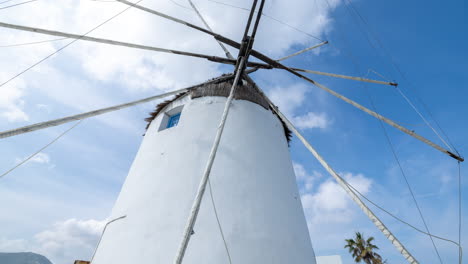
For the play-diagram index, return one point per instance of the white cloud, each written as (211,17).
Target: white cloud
(305,180)
(331,214)
(40,158)
(290,100)
(312,120)
(69,240)
(11,102)
(44,107)
(330,203)
(136,70)
(88,75)
(63,243)
(13,245)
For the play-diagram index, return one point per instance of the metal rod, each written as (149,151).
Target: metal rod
(64,120)
(239,71)
(218,37)
(355,104)
(116,43)
(235,44)
(130,45)
(102,234)
(345,77)
(226,51)
(249,20)
(257,20)
(154,12)
(377,222)
(304,50)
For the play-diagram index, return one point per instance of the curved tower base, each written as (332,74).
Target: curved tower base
(253,186)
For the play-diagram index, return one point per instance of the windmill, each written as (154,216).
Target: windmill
(235,100)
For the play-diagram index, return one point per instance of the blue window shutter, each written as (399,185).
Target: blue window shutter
(173,120)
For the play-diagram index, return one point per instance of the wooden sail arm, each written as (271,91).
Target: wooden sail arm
(243,56)
(157,49)
(345,77)
(302,51)
(130,45)
(226,51)
(64,120)
(276,64)
(371,215)
(127,44)
(254,53)
(235,44)
(354,78)
(222,39)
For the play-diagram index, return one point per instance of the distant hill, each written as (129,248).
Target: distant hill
(23,258)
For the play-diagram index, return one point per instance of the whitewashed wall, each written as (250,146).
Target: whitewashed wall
(253,185)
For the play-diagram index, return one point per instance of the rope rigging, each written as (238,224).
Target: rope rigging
(229,56)
(270,17)
(243,56)
(423,118)
(350,7)
(377,222)
(31,43)
(104,1)
(177,52)
(226,51)
(6,1)
(459,245)
(40,150)
(22,3)
(397,218)
(410,189)
(219,223)
(60,121)
(395,156)
(124,44)
(181,5)
(245,49)
(355,104)
(459,212)
(276,64)
(446,142)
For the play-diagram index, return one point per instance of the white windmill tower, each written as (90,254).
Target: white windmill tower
(253,212)
(250,212)
(252,197)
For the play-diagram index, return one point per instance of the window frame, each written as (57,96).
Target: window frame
(173,120)
(166,118)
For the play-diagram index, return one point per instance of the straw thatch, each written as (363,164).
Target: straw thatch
(244,91)
(160,107)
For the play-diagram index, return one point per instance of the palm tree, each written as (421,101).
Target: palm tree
(363,250)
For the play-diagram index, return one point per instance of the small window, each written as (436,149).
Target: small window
(173,120)
(170,118)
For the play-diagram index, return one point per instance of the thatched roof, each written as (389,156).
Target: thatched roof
(160,107)
(244,91)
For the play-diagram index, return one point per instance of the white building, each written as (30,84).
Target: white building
(253,183)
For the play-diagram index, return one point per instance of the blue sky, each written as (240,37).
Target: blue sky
(57,203)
